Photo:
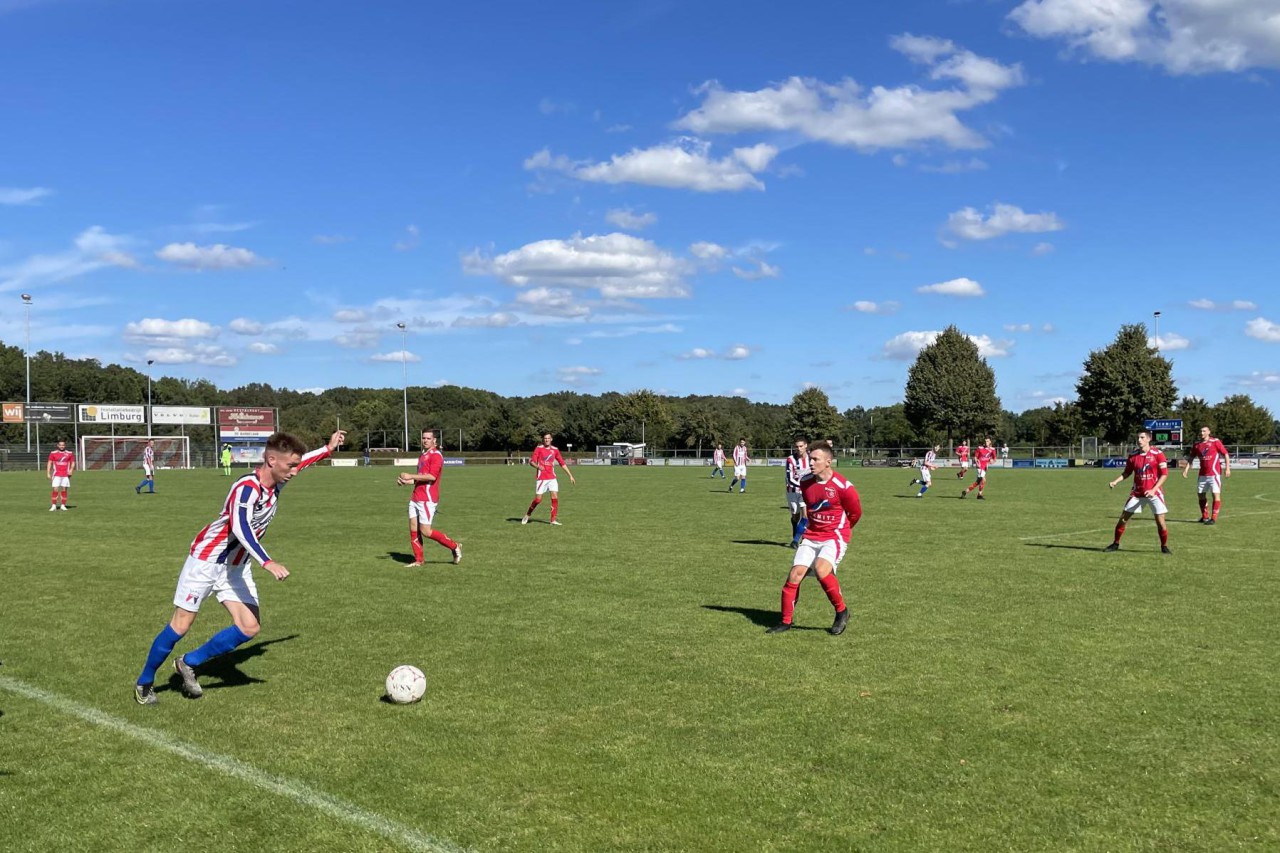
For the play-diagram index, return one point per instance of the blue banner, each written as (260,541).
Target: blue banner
(1163,423)
(1050,463)
(1023,463)
(1113,462)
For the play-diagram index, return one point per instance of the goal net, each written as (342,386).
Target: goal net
(120,453)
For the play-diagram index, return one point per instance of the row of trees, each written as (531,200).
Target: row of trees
(950,394)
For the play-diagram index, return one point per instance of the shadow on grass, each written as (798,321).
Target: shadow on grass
(761,542)
(226,668)
(763,618)
(400,557)
(1098,548)
(518,518)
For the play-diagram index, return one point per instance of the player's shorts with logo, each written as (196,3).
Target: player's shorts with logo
(199,578)
(423,511)
(1136,503)
(980,473)
(544,486)
(1210,483)
(810,551)
(61,482)
(739,471)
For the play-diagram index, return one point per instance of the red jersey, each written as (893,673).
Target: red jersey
(62,461)
(834,507)
(545,460)
(1212,455)
(962,453)
(1147,469)
(233,537)
(984,456)
(430,462)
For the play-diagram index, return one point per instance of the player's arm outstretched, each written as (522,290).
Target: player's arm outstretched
(1128,469)
(565,468)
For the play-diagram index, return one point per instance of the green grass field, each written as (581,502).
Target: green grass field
(608,685)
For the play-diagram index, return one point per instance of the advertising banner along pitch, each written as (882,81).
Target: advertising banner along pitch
(99,414)
(241,422)
(198,415)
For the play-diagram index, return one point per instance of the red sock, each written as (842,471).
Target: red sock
(555,507)
(64,497)
(1204,507)
(831,586)
(533,506)
(417,547)
(1217,505)
(437,536)
(789,592)
(1119,530)
(53,496)
(972,486)
(1164,536)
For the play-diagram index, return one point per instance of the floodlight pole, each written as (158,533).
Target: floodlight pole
(26,300)
(404,364)
(1157,319)
(150,362)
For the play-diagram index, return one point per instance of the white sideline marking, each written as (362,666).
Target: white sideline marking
(296,791)
(1106,529)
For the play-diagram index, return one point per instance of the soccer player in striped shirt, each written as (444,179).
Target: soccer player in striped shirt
(834,508)
(220,564)
(148,469)
(717,462)
(928,465)
(741,456)
(425,499)
(1215,463)
(545,458)
(797,468)
(61,465)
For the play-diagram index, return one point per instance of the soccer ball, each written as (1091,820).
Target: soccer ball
(406,684)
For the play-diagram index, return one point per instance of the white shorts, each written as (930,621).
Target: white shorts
(422,511)
(199,578)
(810,552)
(1210,483)
(62,482)
(926,476)
(981,473)
(1135,504)
(795,500)
(148,471)
(544,486)
(739,471)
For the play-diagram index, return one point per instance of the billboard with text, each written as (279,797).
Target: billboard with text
(197,415)
(100,414)
(241,422)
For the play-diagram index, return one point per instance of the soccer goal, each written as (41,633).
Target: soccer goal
(122,452)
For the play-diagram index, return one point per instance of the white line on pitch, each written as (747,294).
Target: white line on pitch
(296,791)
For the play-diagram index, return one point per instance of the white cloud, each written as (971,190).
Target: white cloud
(92,249)
(152,328)
(16,196)
(762,270)
(349,315)
(1017,327)
(197,353)
(1169,342)
(398,356)
(956,167)
(1233,305)
(216,257)
(245,326)
(410,241)
(704,251)
(1263,329)
(684,164)
(867,307)
(498,320)
(970,224)
(576,375)
(552,301)
(698,353)
(628,220)
(359,338)
(619,266)
(1182,36)
(1042,249)
(628,331)
(263,348)
(1258,379)
(738,352)
(868,119)
(955,287)
(907,346)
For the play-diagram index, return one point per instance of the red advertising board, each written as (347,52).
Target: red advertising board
(239,422)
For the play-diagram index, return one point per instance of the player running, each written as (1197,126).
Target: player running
(148,469)
(797,468)
(962,453)
(984,456)
(717,462)
(1215,463)
(834,508)
(545,458)
(220,563)
(741,456)
(59,468)
(928,465)
(1149,469)
(425,499)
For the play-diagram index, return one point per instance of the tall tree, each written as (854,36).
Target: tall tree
(1124,384)
(1065,426)
(952,388)
(1239,420)
(1195,413)
(813,417)
(639,415)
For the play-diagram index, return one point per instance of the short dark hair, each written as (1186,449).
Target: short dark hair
(824,446)
(433,433)
(283,442)
(1145,432)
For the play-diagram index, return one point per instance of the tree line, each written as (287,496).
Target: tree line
(950,394)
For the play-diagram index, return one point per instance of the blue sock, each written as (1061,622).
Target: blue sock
(151,485)
(744,484)
(161,648)
(802,527)
(219,644)
(923,489)
(140,485)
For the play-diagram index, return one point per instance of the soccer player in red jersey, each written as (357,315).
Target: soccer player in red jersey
(425,499)
(982,457)
(220,563)
(60,467)
(962,453)
(834,508)
(545,458)
(1215,463)
(1149,469)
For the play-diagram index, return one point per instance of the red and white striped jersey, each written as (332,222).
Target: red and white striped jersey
(740,455)
(834,507)
(718,457)
(149,457)
(796,469)
(234,536)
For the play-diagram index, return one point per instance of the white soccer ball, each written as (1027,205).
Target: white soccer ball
(406,684)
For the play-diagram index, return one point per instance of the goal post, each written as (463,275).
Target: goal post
(124,452)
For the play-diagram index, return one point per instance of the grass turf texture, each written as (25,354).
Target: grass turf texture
(607,685)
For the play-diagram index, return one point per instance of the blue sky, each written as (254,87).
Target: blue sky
(699,198)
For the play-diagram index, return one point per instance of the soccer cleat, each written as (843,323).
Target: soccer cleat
(416,565)
(524,520)
(1204,521)
(556,523)
(838,626)
(920,495)
(742,491)
(1211,521)
(137,490)
(779,628)
(795,543)
(145,694)
(1114,546)
(190,686)
(53,508)
(1164,549)
(980,497)
(63,507)
(457,554)
(964,493)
